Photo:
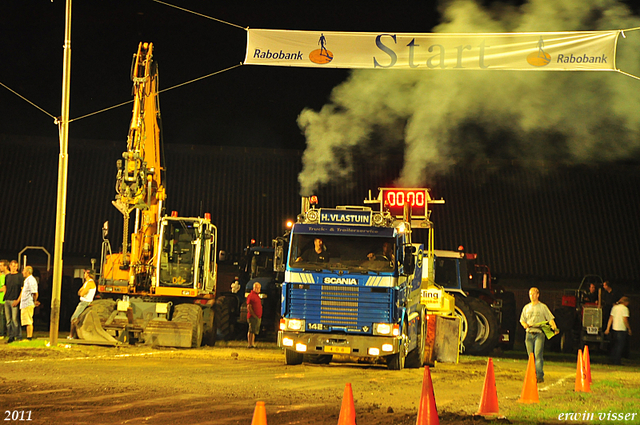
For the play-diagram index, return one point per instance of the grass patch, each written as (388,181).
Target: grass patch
(608,403)
(25,343)
(609,384)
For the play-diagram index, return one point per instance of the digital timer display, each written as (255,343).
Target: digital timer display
(394,200)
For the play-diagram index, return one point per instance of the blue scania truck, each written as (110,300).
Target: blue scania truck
(354,279)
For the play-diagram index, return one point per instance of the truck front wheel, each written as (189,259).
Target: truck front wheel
(292,357)
(416,356)
(396,361)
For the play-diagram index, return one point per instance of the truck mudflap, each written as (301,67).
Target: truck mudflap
(163,333)
(339,344)
(90,330)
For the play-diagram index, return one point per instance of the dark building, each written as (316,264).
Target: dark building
(556,224)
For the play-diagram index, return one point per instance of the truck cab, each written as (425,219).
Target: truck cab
(352,287)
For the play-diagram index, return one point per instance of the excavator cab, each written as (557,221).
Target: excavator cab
(177,258)
(187,258)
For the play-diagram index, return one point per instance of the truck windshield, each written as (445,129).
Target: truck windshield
(355,254)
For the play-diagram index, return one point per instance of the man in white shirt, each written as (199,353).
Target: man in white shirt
(28,300)
(532,315)
(619,323)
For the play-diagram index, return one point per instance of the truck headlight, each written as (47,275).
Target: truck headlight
(386,329)
(387,347)
(287,342)
(292,325)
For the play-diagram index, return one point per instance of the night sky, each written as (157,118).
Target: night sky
(247,106)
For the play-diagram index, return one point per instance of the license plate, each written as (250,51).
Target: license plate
(338,350)
(592,330)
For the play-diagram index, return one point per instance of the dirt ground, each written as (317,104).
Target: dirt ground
(77,384)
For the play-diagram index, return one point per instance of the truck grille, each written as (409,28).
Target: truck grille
(340,306)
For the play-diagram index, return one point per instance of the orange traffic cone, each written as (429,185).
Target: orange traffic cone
(580,375)
(584,378)
(348,410)
(530,387)
(586,363)
(489,399)
(427,412)
(259,414)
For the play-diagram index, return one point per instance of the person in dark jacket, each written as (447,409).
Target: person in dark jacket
(13,287)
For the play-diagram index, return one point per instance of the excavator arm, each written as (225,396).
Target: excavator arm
(139,182)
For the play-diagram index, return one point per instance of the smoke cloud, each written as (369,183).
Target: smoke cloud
(439,119)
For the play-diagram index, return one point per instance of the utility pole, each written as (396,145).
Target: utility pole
(63,165)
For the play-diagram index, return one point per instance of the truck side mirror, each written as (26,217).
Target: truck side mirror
(409,260)
(278,256)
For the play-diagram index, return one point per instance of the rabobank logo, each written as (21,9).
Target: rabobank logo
(539,58)
(322,55)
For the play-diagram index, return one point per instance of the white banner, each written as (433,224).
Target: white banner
(573,51)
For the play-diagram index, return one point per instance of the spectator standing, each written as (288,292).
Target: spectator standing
(619,324)
(533,315)
(254,314)
(28,300)
(4,269)
(86,293)
(610,296)
(13,286)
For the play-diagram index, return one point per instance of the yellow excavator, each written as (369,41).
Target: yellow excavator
(160,289)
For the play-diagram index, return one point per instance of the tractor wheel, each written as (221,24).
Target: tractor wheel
(469,321)
(191,313)
(565,318)
(488,329)
(224,325)
(509,319)
(209,329)
(292,357)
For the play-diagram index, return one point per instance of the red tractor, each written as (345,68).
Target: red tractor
(580,317)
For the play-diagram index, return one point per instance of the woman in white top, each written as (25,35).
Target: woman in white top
(86,294)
